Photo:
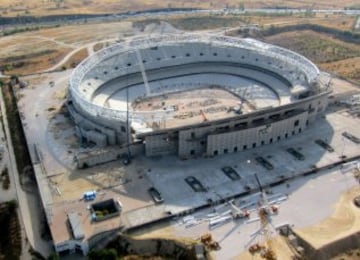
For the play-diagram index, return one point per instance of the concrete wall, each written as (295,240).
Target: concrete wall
(114,133)
(89,159)
(254,137)
(160,145)
(234,135)
(72,246)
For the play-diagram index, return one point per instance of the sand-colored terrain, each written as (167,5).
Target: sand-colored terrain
(330,54)
(344,222)
(41,8)
(194,106)
(33,52)
(40,50)
(349,68)
(281,249)
(76,58)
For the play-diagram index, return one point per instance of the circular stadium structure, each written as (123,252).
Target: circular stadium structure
(194,95)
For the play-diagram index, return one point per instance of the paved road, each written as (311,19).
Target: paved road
(167,13)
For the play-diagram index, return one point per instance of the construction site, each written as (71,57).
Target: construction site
(195,106)
(154,146)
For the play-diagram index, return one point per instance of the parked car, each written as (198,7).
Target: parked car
(296,154)
(231,173)
(265,163)
(324,145)
(351,137)
(195,184)
(155,195)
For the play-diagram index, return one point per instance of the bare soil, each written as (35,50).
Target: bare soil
(36,51)
(30,63)
(40,8)
(349,255)
(340,22)
(343,222)
(39,50)
(280,247)
(76,58)
(98,46)
(194,106)
(329,54)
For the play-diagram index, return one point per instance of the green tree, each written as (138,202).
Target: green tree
(53,256)
(103,254)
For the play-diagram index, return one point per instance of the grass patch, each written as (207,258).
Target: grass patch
(192,23)
(17,135)
(318,48)
(206,22)
(76,58)
(10,239)
(328,53)
(98,46)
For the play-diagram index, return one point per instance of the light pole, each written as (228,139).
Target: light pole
(343,148)
(127,126)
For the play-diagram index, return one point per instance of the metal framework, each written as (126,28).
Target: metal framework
(133,47)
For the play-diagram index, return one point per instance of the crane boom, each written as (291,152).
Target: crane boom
(143,73)
(258,181)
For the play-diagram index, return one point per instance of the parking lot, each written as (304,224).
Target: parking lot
(188,184)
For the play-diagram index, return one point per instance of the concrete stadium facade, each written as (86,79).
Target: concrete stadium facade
(121,71)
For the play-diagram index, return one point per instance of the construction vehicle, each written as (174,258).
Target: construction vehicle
(238,213)
(208,242)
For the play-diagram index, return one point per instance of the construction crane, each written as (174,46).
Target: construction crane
(203,115)
(245,99)
(143,72)
(264,202)
(238,213)
(265,247)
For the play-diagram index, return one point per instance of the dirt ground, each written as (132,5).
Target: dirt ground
(349,68)
(36,51)
(329,54)
(76,58)
(341,22)
(40,50)
(349,255)
(39,8)
(281,249)
(200,105)
(344,222)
